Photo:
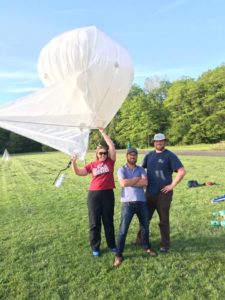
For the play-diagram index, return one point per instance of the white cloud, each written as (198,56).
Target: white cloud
(18,75)
(18,83)
(171,6)
(18,90)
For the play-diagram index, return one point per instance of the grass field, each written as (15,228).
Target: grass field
(45,253)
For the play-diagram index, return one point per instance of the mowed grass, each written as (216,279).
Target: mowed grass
(45,252)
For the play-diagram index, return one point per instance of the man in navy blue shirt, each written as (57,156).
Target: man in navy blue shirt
(160,164)
(132,179)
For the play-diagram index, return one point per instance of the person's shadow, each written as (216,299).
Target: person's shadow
(197,244)
(200,244)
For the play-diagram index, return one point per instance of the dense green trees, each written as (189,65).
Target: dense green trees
(197,109)
(15,143)
(140,117)
(189,111)
(4,138)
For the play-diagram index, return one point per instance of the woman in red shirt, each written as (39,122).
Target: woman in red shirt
(101,199)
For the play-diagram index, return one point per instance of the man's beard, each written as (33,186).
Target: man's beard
(132,162)
(160,148)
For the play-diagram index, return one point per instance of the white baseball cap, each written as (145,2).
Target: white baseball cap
(159,137)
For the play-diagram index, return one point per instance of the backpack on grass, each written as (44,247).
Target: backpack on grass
(193,183)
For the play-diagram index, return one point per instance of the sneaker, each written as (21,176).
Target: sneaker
(96,253)
(113,250)
(151,253)
(117,261)
(163,250)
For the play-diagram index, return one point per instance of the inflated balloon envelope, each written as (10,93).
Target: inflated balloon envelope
(87,77)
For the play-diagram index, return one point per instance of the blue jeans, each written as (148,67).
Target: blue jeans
(129,209)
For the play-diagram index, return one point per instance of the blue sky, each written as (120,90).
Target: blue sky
(166,38)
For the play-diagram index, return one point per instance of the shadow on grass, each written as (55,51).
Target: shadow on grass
(199,244)
(193,244)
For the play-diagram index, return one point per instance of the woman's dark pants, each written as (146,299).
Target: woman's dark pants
(101,210)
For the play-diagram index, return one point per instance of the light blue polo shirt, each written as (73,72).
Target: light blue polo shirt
(129,193)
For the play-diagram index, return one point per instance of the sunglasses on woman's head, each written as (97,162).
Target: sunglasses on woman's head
(102,153)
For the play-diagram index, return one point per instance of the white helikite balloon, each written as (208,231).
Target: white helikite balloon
(87,76)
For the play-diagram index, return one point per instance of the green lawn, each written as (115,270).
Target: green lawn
(45,253)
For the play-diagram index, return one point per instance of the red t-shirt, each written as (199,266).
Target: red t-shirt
(102,174)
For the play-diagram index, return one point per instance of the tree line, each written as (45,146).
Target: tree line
(188,111)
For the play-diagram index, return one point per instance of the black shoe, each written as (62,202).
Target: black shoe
(114,249)
(163,250)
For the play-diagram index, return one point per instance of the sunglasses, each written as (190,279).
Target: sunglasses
(102,153)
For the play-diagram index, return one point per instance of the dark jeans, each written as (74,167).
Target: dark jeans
(161,203)
(101,210)
(129,209)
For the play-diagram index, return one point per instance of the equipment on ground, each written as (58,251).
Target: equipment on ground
(218,199)
(220,213)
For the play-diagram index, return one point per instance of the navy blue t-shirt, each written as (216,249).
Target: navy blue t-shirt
(160,167)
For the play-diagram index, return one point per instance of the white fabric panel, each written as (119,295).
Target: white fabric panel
(65,139)
(87,77)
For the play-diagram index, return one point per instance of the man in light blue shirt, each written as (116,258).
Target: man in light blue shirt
(132,179)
